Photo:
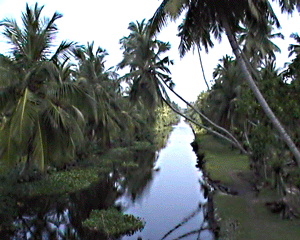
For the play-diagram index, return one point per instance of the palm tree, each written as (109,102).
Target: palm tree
(224,93)
(180,28)
(207,17)
(102,85)
(257,45)
(292,70)
(147,70)
(148,81)
(42,123)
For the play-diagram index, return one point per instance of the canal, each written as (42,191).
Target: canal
(164,191)
(170,203)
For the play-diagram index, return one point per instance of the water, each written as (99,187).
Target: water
(174,193)
(165,199)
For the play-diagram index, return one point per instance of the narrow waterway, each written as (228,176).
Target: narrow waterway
(174,193)
(167,199)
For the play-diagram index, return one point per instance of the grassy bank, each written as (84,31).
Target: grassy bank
(242,216)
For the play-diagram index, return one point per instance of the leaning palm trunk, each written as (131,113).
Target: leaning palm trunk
(232,138)
(237,145)
(202,68)
(286,138)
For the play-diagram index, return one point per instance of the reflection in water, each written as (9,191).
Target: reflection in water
(60,216)
(174,193)
(137,180)
(169,199)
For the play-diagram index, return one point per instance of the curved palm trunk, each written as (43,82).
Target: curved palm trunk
(202,68)
(286,138)
(233,139)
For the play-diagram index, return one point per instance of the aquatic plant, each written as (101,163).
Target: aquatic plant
(63,182)
(113,223)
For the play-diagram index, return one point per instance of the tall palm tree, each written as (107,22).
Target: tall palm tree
(257,45)
(148,70)
(224,93)
(207,17)
(102,85)
(42,123)
(180,28)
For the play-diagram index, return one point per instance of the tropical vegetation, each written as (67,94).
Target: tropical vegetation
(62,109)
(68,122)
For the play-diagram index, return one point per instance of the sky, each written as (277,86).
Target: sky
(106,22)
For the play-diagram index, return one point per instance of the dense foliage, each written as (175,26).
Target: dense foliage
(62,105)
(70,127)
(232,105)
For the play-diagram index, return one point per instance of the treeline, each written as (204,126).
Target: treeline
(61,105)
(231,105)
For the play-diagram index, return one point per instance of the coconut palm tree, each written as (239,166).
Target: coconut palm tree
(257,45)
(207,17)
(104,86)
(42,123)
(147,82)
(224,93)
(148,70)
(292,71)
(180,28)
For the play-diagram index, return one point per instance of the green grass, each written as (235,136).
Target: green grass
(220,159)
(231,211)
(237,222)
(241,218)
(271,226)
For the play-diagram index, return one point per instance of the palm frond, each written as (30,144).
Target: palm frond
(38,154)
(13,34)
(289,5)
(64,51)
(168,9)
(10,151)
(8,96)
(19,128)
(22,117)
(159,19)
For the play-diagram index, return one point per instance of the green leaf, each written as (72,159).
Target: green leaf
(38,147)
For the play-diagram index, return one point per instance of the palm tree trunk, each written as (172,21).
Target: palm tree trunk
(206,128)
(201,64)
(286,138)
(207,119)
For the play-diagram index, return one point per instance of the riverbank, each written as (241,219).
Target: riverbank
(86,189)
(172,205)
(242,213)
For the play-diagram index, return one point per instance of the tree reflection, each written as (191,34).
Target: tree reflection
(137,180)
(61,216)
(202,208)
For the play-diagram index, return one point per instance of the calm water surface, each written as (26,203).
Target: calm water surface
(162,198)
(174,194)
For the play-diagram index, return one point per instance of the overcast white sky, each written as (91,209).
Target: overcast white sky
(105,22)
